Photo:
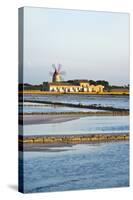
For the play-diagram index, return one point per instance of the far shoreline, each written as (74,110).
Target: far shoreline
(71,93)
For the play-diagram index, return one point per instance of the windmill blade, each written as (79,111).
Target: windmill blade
(63,73)
(62,79)
(51,73)
(54,67)
(59,67)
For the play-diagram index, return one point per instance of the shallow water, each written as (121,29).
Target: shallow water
(84,166)
(85,125)
(117,101)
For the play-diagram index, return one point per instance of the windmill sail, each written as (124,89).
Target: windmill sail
(57,74)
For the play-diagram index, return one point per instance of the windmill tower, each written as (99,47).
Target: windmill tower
(56,75)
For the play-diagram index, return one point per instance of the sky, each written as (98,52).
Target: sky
(89,45)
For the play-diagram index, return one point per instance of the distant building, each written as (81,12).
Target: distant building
(65,87)
(68,87)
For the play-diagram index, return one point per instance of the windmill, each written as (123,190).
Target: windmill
(57,74)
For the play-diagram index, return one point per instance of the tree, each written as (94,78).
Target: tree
(92,82)
(103,82)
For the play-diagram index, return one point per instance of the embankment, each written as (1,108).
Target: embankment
(111,113)
(48,141)
(93,106)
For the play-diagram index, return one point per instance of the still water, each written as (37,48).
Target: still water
(85,125)
(85,166)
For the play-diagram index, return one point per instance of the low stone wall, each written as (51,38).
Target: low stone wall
(73,139)
(106,113)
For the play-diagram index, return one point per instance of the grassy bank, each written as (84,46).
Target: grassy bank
(61,93)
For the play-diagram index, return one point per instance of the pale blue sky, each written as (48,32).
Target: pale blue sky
(89,45)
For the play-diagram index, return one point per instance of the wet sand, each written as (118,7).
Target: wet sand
(47,119)
(46,147)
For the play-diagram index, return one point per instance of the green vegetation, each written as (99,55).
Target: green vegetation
(27,86)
